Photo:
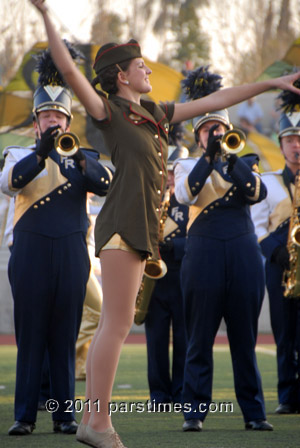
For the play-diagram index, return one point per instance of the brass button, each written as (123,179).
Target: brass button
(47,199)
(59,191)
(35,206)
(42,202)
(248,184)
(155,136)
(134,117)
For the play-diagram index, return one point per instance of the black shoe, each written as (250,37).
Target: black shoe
(65,427)
(21,429)
(259,425)
(285,409)
(193,424)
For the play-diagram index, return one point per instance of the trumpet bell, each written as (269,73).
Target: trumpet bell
(67,144)
(233,141)
(155,269)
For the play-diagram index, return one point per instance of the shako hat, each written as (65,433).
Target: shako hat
(52,97)
(289,121)
(198,84)
(112,53)
(52,92)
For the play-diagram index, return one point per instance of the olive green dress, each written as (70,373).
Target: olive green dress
(137,138)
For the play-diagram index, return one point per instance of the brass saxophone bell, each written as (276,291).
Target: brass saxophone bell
(233,141)
(66,144)
(155,269)
(295,235)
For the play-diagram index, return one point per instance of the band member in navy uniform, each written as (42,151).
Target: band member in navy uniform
(222,273)
(272,220)
(49,263)
(166,308)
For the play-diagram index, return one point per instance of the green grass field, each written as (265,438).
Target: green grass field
(147,429)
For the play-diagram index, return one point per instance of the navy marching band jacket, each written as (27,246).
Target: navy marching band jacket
(56,188)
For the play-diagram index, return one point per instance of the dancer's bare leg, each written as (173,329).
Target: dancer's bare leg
(121,277)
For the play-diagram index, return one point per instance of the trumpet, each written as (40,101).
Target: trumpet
(233,141)
(66,144)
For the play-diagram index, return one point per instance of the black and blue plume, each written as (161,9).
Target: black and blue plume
(201,82)
(290,101)
(48,73)
(176,134)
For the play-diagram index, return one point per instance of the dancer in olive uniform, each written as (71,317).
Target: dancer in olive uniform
(136,134)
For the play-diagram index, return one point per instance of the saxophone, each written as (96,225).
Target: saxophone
(154,270)
(291,276)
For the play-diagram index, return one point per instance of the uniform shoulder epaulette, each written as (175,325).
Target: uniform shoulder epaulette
(184,160)
(8,148)
(272,173)
(251,155)
(19,147)
(92,150)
